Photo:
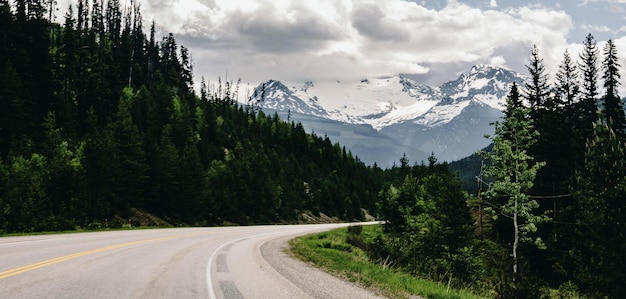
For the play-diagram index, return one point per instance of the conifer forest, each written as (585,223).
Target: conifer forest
(100,122)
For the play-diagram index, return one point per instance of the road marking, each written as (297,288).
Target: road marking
(221,264)
(230,290)
(229,244)
(23,269)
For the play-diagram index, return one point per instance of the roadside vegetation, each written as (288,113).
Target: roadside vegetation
(547,217)
(348,254)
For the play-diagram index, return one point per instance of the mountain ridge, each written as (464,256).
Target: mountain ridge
(448,120)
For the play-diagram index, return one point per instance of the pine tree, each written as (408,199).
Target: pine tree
(537,89)
(585,111)
(516,100)
(588,111)
(568,90)
(613,108)
(600,243)
(129,157)
(113,17)
(567,84)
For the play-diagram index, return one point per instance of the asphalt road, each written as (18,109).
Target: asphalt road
(226,262)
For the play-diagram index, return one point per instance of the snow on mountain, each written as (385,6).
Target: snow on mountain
(449,120)
(378,102)
(483,84)
(385,101)
(275,95)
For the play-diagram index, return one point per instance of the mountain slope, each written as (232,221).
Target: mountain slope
(449,120)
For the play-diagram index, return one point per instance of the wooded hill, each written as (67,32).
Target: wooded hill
(99,119)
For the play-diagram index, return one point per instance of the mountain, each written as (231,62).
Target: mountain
(379,119)
(275,95)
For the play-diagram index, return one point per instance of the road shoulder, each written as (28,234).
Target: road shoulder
(313,281)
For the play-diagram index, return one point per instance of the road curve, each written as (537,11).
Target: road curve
(226,262)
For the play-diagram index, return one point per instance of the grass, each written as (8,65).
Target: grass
(330,251)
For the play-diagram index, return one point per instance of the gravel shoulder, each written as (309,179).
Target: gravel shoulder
(312,281)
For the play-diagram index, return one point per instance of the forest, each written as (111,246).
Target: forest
(101,119)
(101,123)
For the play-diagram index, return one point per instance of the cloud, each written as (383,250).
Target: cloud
(370,21)
(337,39)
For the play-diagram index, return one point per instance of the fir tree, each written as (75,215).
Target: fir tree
(537,89)
(588,112)
(567,85)
(613,108)
(601,185)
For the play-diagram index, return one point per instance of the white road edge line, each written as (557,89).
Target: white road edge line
(208,267)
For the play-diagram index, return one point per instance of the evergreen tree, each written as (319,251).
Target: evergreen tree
(113,20)
(516,100)
(588,107)
(612,108)
(129,157)
(600,243)
(123,129)
(26,200)
(14,119)
(567,85)
(568,91)
(537,89)
(427,221)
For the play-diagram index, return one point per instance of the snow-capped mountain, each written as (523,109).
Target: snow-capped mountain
(275,95)
(483,84)
(449,120)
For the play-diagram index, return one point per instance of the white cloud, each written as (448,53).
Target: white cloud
(327,39)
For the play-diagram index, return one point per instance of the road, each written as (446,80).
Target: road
(226,262)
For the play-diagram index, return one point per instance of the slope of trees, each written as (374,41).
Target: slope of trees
(580,190)
(100,119)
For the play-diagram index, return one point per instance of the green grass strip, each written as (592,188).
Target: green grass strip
(330,252)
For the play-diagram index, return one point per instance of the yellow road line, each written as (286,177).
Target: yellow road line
(57,260)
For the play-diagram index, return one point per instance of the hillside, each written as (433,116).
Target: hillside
(97,134)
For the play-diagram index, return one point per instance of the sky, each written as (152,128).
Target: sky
(432,40)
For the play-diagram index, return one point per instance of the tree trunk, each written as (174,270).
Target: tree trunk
(515,241)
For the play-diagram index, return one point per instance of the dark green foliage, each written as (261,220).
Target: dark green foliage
(612,108)
(536,89)
(100,120)
(580,187)
(598,255)
(427,223)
